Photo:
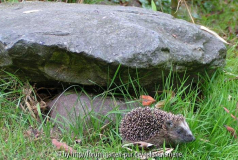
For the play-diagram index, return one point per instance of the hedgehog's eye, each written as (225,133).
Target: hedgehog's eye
(179,131)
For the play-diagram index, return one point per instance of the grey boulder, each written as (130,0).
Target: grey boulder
(86,44)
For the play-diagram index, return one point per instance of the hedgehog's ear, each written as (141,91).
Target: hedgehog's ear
(169,123)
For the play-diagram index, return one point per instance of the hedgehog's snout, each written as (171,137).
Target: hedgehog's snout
(193,138)
(190,138)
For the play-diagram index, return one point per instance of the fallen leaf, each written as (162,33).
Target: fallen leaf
(234,117)
(63,146)
(231,130)
(226,110)
(31,103)
(147,100)
(160,104)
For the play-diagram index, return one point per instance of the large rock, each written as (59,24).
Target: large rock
(74,43)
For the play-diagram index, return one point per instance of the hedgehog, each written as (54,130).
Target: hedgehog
(155,126)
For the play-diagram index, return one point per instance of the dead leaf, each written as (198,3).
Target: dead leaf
(231,130)
(63,146)
(234,117)
(147,100)
(226,110)
(31,102)
(160,104)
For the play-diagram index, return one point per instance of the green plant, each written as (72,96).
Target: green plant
(153,6)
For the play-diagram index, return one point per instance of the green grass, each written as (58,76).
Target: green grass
(206,117)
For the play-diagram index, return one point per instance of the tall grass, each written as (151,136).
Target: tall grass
(205,116)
